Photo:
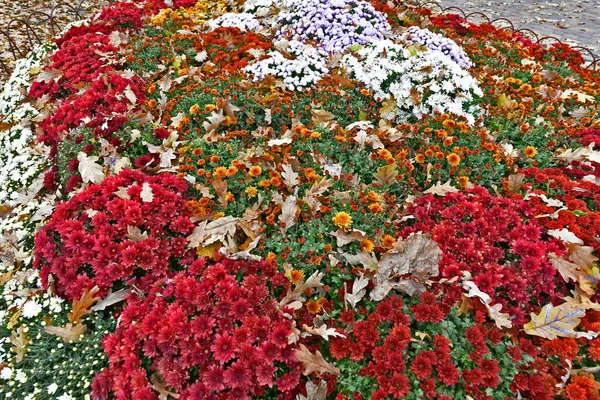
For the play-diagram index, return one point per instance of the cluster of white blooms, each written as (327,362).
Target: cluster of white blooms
(306,68)
(243,21)
(435,41)
(260,7)
(17,86)
(20,163)
(419,81)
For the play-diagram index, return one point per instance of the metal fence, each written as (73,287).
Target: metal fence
(22,34)
(593,60)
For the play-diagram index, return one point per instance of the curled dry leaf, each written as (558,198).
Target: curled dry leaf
(322,331)
(359,289)
(20,339)
(315,362)
(288,212)
(501,319)
(314,392)
(352,235)
(110,299)
(417,256)
(68,333)
(135,234)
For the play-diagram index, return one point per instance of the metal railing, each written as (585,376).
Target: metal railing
(593,60)
(22,34)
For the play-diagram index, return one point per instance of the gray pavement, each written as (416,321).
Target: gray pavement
(576,22)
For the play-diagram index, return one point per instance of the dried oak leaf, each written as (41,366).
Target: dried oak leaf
(315,362)
(386,175)
(417,257)
(68,333)
(314,392)
(565,268)
(82,306)
(288,212)
(441,190)
(343,237)
(515,182)
(581,255)
(559,321)
(20,339)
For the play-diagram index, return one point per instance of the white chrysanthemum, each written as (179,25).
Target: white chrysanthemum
(6,373)
(52,388)
(65,396)
(419,81)
(31,309)
(243,21)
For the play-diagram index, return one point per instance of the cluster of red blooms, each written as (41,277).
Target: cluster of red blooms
(211,332)
(154,6)
(578,195)
(104,103)
(122,15)
(107,234)
(381,342)
(228,47)
(78,63)
(542,378)
(498,241)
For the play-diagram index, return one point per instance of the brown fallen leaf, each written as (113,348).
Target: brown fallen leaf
(386,175)
(20,340)
(82,306)
(68,333)
(315,362)
(515,181)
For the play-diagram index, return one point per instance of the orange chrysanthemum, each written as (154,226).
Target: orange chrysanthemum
(387,241)
(530,151)
(453,159)
(367,246)
(255,170)
(296,276)
(220,172)
(194,109)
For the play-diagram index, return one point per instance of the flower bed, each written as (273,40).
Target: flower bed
(337,199)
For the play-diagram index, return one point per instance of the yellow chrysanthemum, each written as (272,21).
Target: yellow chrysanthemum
(342,220)
(251,191)
(208,251)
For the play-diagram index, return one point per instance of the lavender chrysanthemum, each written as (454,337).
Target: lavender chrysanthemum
(434,41)
(334,24)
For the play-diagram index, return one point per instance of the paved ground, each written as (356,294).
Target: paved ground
(576,21)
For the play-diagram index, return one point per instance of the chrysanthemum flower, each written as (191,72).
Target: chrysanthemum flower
(530,151)
(453,159)
(342,220)
(255,171)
